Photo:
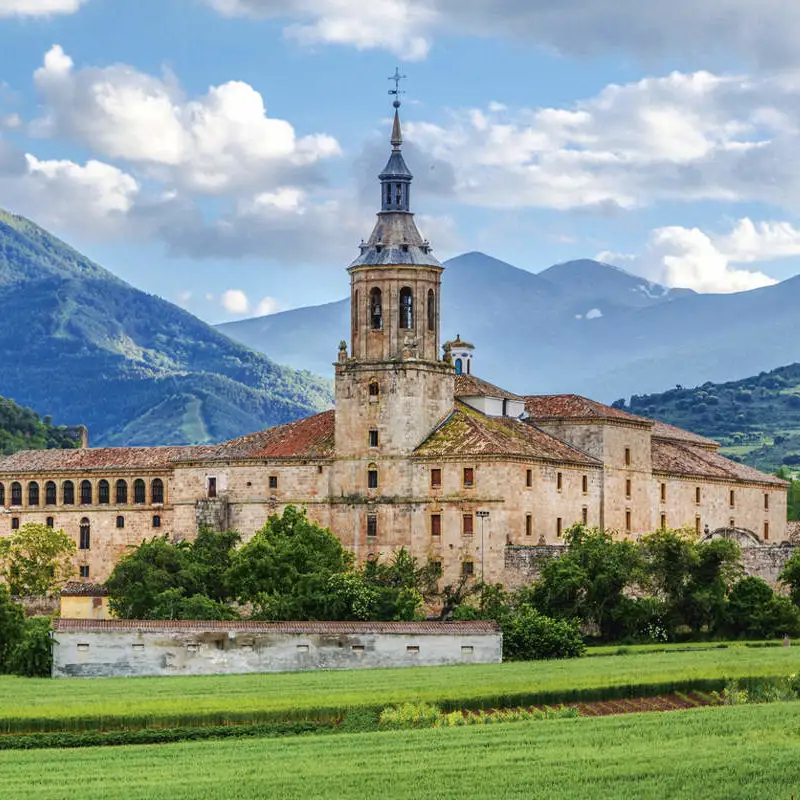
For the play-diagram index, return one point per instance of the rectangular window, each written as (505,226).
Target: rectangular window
(628,488)
(697,495)
(467,528)
(212,489)
(663,492)
(436,478)
(559,527)
(585,484)
(413,649)
(628,521)
(733,499)
(373,438)
(83,647)
(357,648)
(273,481)
(528,524)
(559,481)
(766,502)
(436,524)
(698,525)
(302,648)
(731,523)
(372,479)
(84,540)
(192,647)
(585,515)
(84,570)
(467,568)
(766,531)
(467,649)
(627,456)
(529,478)
(372,525)
(14,523)
(469,477)
(663,522)
(138,647)
(50,522)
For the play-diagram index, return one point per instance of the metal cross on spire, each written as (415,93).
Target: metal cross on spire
(397,91)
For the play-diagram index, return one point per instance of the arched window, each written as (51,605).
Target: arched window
(406,308)
(459,366)
(431,310)
(138,492)
(86,493)
(68,493)
(121,490)
(16,494)
(103,493)
(375,310)
(33,493)
(120,522)
(84,542)
(50,498)
(157,491)
(2,494)
(372,476)
(156,521)
(374,391)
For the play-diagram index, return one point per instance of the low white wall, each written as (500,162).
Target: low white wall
(108,653)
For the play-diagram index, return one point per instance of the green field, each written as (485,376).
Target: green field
(726,753)
(80,704)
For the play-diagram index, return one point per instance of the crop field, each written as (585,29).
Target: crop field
(713,753)
(27,704)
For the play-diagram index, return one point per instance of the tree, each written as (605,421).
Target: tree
(285,570)
(401,586)
(36,559)
(790,576)
(754,611)
(529,635)
(12,620)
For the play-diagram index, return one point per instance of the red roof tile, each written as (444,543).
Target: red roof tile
(468,432)
(661,430)
(692,461)
(78,589)
(312,437)
(574,406)
(250,626)
(470,386)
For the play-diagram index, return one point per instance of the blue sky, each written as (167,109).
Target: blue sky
(223,153)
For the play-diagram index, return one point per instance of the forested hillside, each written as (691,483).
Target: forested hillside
(23,429)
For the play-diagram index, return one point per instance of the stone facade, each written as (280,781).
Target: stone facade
(416,454)
(113,648)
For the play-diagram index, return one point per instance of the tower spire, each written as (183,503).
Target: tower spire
(397,92)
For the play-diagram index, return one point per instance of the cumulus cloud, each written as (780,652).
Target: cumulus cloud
(692,259)
(221,141)
(268,305)
(38,8)
(685,137)
(765,32)
(235,301)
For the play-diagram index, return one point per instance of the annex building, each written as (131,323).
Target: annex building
(419,452)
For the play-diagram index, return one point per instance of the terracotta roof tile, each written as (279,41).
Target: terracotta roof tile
(78,589)
(468,432)
(692,461)
(97,458)
(560,406)
(662,430)
(312,437)
(201,626)
(470,386)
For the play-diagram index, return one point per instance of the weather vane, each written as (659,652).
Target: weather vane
(397,91)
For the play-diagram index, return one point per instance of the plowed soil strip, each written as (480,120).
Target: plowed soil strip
(669,702)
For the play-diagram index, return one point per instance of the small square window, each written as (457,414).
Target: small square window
(373,438)
(192,647)
(436,478)
(372,525)
(84,570)
(412,648)
(14,523)
(469,476)
(138,647)
(467,649)
(357,648)
(436,524)
(467,525)
(467,568)
(83,647)
(529,478)
(273,481)
(302,648)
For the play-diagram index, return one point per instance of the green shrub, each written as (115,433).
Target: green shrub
(12,622)
(529,635)
(32,655)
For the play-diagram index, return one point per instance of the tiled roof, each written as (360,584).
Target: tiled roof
(78,589)
(468,432)
(661,430)
(470,386)
(249,626)
(560,406)
(312,437)
(693,461)
(98,458)
(459,342)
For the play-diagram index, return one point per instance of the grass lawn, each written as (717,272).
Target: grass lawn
(295,694)
(725,753)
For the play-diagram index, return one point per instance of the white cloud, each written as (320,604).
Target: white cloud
(269,305)
(183,298)
(221,141)
(38,8)
(692,259)
(594,313)
(235,301)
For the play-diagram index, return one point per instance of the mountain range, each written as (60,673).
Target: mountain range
(581,326)
(81,344)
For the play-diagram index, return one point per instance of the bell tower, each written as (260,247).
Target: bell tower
(393,388)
